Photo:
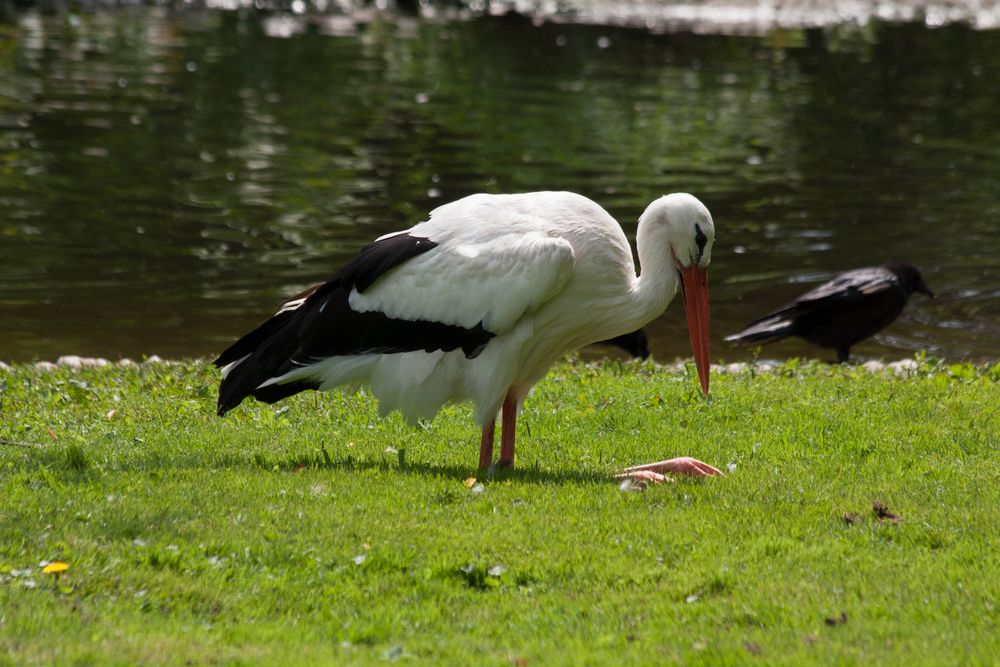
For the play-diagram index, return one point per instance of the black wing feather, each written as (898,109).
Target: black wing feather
(848,287)
(325,325)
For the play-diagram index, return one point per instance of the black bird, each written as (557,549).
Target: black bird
(843,311)
(635,343)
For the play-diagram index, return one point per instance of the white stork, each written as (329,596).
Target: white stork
(476,303)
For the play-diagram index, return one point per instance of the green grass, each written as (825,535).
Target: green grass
(288,534)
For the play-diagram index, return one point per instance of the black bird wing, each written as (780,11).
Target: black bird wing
(848,287)
(845,290)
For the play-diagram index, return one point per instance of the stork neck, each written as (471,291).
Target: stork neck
(657,281)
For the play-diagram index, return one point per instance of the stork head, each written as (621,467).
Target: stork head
(689,233)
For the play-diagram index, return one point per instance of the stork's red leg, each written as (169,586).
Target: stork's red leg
(508,429)
(486,448)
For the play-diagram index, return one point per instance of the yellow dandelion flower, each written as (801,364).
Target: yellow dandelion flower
(56,567)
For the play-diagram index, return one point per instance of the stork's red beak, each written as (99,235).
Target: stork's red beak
(695,283)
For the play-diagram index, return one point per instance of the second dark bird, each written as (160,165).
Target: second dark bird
(839,313)
(635,343)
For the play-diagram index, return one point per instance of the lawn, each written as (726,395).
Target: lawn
(313,532)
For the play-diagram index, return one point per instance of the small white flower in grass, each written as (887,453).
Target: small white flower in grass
(30,583)
(694,597)
(496,570)
(359,559)
(478,489)
(139,542)
(731,467)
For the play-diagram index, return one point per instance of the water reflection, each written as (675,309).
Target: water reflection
(169,177)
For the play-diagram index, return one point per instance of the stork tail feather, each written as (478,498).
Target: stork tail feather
(257,357)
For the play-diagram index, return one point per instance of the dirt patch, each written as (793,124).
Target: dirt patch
(882,513)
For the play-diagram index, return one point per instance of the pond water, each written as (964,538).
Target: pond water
(167,178)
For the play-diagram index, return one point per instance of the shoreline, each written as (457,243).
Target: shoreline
(906,367)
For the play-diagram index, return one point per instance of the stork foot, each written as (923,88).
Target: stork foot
(683,465)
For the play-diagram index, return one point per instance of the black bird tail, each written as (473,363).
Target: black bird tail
(258,356)
(764,331)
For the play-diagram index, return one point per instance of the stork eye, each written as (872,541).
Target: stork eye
(701,240)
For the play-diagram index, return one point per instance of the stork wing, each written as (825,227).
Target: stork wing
(401,293)
(467,282)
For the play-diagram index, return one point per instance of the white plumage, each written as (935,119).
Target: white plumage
(476,303)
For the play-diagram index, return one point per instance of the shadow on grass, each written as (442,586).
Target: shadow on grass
(72,464)
(533,474)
